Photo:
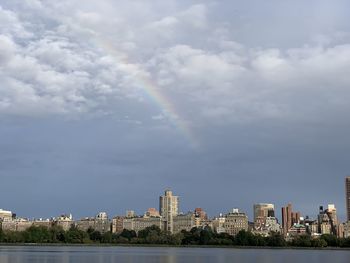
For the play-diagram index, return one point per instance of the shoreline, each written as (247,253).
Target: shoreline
(168,246)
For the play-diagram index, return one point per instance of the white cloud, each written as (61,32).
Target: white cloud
(78,59)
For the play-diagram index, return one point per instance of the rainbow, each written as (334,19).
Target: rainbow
(143,79)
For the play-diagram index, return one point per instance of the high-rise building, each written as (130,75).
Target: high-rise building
(168,207)
(327,220)
(347,191)
(263,211)
(289,218)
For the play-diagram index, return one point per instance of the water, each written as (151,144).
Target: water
(28,254)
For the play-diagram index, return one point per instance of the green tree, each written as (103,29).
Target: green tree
(332,241)
(95,236)
(206,236)
(76,236)
(302,241)
(2,235)
(318,242)
(276,240)
(37,234)
(128,234)
(57,234)
(106,238)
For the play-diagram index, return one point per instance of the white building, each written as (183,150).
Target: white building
(168,207)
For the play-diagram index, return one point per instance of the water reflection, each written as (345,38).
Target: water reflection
(172,255)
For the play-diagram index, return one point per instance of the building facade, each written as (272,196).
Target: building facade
(169,208)
(138,223)
(235,221)
(347,192)
(185,222)
(289,218)
(99,223)
(5,215)
(263,210)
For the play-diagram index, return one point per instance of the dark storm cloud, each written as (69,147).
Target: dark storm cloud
(262,86)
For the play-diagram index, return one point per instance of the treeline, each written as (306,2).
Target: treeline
(155,236)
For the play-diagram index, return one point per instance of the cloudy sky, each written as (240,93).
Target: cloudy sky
(104,104)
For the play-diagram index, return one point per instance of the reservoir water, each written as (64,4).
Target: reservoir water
(53,254)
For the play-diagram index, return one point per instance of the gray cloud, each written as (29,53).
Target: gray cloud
(264,88)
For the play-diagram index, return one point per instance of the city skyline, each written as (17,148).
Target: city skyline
(169,207)
(230,103)
(171,220)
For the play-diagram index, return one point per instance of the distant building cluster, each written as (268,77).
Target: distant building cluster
(168,218)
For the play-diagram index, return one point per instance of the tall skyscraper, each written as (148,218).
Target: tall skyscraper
(286,218)
(347,191)
(168,207)
(289,218)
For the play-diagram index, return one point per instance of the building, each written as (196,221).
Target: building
(327,220)
(64,221)
(263,210)
(269,226)
(137,223)
(265,221)
(22,224)
(117,224)
(168,207)
(347,192)
(218,224)
(289,218)
(235,221)
(185,222)
(199,212)
(18,224)
(297,230)
(152,212)
(130,214)
(5,215)
(346,230)
(98,223)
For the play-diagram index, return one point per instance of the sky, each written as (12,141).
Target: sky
(105,104)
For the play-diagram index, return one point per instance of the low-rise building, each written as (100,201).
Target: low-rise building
(139,223)
(297,230)
(99,223)
(185,222)
(235,221)
(152,212)
(218,224)
(5,215)
(64,221)
(18,224)
(267,226)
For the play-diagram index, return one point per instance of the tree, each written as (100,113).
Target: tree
(95,236)
(37,234)
(302,241)
(276,240)
(206,236)
(244,238)
(2,235)
(57,234)
(76,236)
(128,234)
(318,242)
(331,240)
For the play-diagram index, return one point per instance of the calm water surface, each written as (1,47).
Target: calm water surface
(174,255)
